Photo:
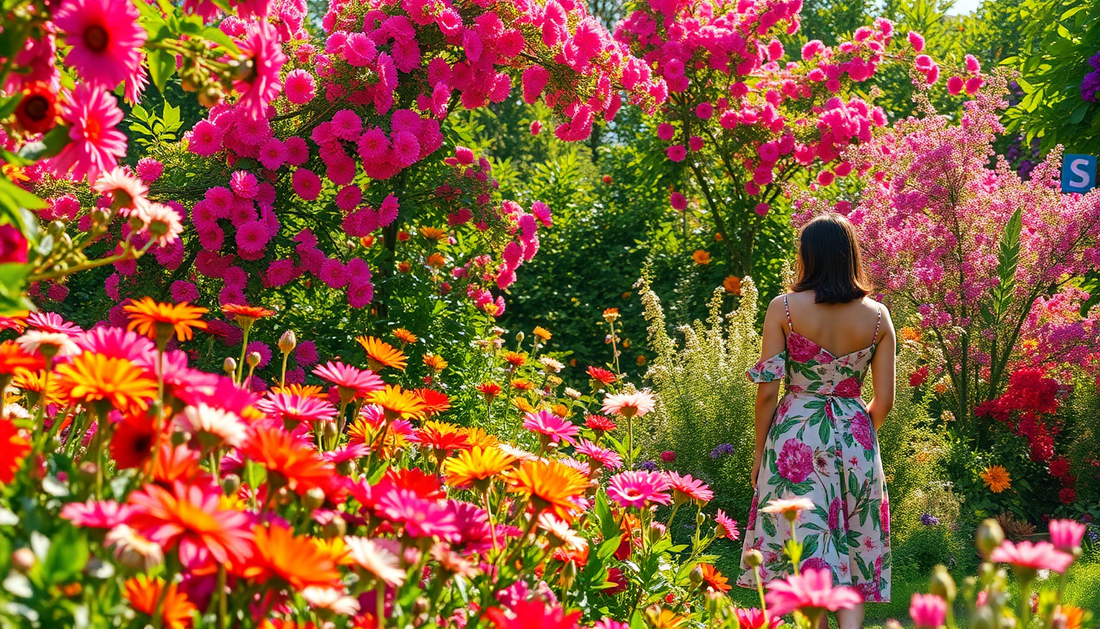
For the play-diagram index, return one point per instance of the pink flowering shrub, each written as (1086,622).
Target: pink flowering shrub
(742,117)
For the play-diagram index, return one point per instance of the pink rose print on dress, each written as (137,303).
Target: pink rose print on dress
(884,515)
(752,510)
(848,387)
(816,563)
(795,462)
(834,514)
(869,591)
(801,349)
(861,430)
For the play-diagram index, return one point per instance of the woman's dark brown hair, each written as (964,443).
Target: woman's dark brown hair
(829,263)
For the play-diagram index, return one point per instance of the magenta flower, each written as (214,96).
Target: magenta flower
(688,488)
(604,457)
(421,517)
(795,461)
(106,40)
(101,514)
(1027,557)
(553,427)
(639,489)
(262,84)
(812,592)
(357,382)
(96,144)
(727,527)
(927,611)
(1066,535)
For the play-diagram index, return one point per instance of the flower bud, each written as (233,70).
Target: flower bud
(253,359)
(990,535)
(892,624)
(983,618)
(700,518)
(229,366)
(712,602)
(568,575)
(23,559)
(314,498)
(942,584)
(329,431)
(230,484)
(519,337)
(753,558)
(336,527)
(55,229)
(696,575)
(287,342)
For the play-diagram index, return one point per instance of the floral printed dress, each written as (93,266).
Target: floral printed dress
(822,446)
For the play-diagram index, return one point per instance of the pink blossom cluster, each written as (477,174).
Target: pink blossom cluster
(736,96)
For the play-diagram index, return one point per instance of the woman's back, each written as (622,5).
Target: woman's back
(840,329)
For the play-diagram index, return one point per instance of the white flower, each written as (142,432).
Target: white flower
(372,556)
(331,599)
(133,550)
(213,424)
(561,532)
(162,223)
(48,343)
(549,364)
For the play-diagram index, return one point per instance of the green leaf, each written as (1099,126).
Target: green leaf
(67,556)
(51,144)
(9,104)
(13,198)
(1008,259)
(161,67)
(219,37)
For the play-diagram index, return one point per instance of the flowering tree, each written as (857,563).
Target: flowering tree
(986,261)
(740,119)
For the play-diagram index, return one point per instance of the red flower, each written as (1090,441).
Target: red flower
(918,377)
(599,423)
(37,111)
(1067,495)
(13,246)
(800,349)
(601,375)
(1059,467)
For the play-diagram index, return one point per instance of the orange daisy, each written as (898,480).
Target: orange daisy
(246,315)
(478,437)
(433,233)
(293,463)
(712,579)
(303,390)
(477,467)
(434,362)
(549,486)
(405,336)
(541,333)
(397,403)
(515,359)
(442,437)
(97,380)
(296,560)
(522,404)
(522,385)
(435,402)
(160,321)
(13,359)
(145,594)
(437,260)
(13,449)
(365,432)
(381,354)
(36,382)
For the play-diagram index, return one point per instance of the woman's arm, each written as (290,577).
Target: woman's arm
(767,394)
(882,373)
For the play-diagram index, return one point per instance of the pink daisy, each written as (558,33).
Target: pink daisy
(351,452)
(639,489)
(300,87)
(106,40)
(554,428)
(291,409)
(96,144)
(1066,535)
(1028,556)
(297,151)
(604,457)
(272,154)
(927,611)
(161,222)
(52,322)
(628,405)
(306,184)
(421,517)
(688,488)
(262,85)
(357,381)
(812,592)
(189,517)
(727,526)
(205,139)
(149,169)
(126,191)
(102,514)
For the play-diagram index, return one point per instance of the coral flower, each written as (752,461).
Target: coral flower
(688,488)
(420,516)
(352,381)
(599,424)
(189,517)
(246,315)
(639,489)
(477,467)
(1066,535)
(531,614)
(381,354)
(629,405)
(127,192)
(552,428)
(213,427)
(289,462)
(515,359)
(48,344)
(927,611)
(405,336)
(550,486)
(106,39)
(1028,557)
(442,437)
(727,527)
(997,478)
(293,409)
(601,375)
(602,457)
(94,378)
(435,402)
(396,403)
(541,333)
(489,389)
(14,359)
(133,441)
(146,595)
(701,257)
(812,592)
(96,144)
(13,449)
(753,618)
(714,580)
(297,561)
(377,559)
(159,321)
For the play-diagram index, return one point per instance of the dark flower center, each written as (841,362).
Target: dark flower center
(96,38)
(37,107)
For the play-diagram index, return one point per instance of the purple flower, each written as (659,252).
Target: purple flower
(928,519)
(795,461)
(721,450)
(649,466)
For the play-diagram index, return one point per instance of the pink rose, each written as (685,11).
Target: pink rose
(848,387)
(801,349)
(861,430)
(795,462)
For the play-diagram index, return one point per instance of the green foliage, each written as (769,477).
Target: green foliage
(1058,39)
(1083,446)
(704,398)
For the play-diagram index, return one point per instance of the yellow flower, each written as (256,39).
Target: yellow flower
(996,478)
(549,486)
(433,233)
(541,333)
(701,257)
(396,403)
(381,354)
(434,362)
(478,437)
(477,467)
(522,404)
(95,378)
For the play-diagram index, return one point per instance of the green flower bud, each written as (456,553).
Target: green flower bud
(942,584)
(253,359)
(287,342)
(230,484)
(990,535)
(229,366)
(753,558)
(314,498)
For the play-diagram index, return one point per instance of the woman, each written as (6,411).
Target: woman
(819,442)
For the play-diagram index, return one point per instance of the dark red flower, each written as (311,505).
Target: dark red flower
(37,112)
(1067,495)
(1059,467)
(13,245)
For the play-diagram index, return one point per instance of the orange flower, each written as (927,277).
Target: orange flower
(405,336)
(713,579)
(433,233)
(515,359)
(522,385)
(434,362)
(442,437)
(303,390)
(997,478)
(145,594)
(159,321)
(13,359)
(35,381)
(910,334)
(398,404)
(13,449)
(732,285)
(610,315)
(381,354)
(289,462)
(296,560)
(478,437)
(523,405)
(541,333)
(701,257)
(550,486)
(246,315)
(365,432)
(436,260)
(435,402)
(403,267)
(477,467)
(95,378)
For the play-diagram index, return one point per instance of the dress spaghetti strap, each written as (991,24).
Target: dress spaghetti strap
(878,322)
(787,309)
